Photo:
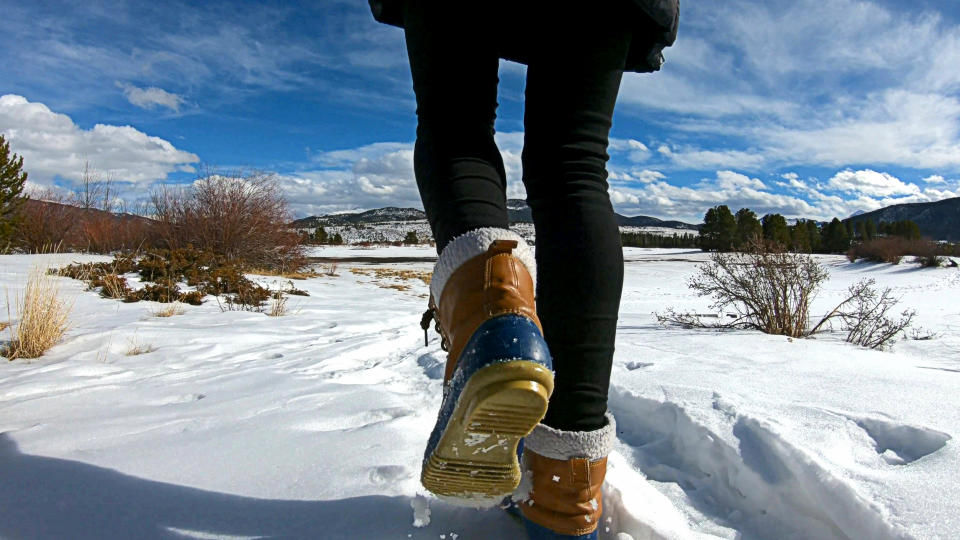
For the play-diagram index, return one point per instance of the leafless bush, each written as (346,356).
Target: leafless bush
(893,248)
(243,218)
(46,223)
(766,289)
(865,316)
(771,291)
(278,304)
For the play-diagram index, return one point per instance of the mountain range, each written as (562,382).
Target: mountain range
(939,220)
(517,211)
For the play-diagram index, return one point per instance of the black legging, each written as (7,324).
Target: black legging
(574,70)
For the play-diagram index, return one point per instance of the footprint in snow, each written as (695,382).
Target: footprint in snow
(900,444)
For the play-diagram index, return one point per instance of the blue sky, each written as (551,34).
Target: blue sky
(807,108)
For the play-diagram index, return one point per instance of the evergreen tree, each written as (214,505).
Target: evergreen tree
(748,227)
(871,230)
(799,238)
(411,238)
(835,237)
(320,235)
(12,180)
(710,231)
(861,228)
(813,235)
(775,229)
(337,239)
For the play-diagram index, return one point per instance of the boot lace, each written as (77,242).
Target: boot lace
(428,315)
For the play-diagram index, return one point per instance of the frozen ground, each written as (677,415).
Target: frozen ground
(312,425)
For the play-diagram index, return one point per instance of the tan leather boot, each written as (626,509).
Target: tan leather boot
(567,470)
(498,376)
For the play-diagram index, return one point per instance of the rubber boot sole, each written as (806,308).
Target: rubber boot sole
(476,458)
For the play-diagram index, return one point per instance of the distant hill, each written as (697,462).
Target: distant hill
(517,211)
(377,215)
(939,220)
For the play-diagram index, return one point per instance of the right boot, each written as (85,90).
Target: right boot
(566,472)
(498,376)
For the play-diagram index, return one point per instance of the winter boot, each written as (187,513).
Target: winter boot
(498,375)
(566,471)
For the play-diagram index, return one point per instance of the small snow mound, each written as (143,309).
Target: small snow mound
(421,511)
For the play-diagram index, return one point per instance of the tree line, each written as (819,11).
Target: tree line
(725,231)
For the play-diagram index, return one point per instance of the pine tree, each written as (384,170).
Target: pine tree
(12,180)
(813,235)
(835,237)
(775,229)
(320,235)
(799,238)
(871,230)
(748,227)
(719,229)
(411,238)
(861,228)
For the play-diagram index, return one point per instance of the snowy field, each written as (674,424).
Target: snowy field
(313,425)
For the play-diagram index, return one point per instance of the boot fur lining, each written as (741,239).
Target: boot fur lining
(470,244)
(563,445)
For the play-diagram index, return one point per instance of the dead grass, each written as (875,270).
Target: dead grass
(393,278)
(44,317)
(278,305)
(169,310)
(136,347)
(305,274)
(4,325)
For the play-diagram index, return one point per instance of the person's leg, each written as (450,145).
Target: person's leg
(454,62)
(572,85)
(498,377)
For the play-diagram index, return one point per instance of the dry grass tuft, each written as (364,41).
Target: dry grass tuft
(4,325)
(278,305)
(138,347)
(44,317)
(169,310)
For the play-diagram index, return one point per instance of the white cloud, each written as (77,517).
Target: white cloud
(148,98)
(734,180)
(52,145)
(934,179)
(871,183)
(636,151)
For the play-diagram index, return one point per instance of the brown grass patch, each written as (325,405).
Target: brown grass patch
(44,317)
(305,274)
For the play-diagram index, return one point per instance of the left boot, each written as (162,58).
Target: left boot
(498,376)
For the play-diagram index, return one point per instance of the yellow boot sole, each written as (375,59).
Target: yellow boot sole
(476,458)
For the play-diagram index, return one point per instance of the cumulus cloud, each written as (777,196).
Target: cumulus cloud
(52,146)
(152,97)
(871,183)
(934,179)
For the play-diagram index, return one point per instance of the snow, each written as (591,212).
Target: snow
(311,425)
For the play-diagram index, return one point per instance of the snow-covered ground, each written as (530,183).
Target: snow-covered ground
(312,425)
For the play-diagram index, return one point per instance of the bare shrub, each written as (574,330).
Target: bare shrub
(243,218)
(46,223)
(865,316)
(44,317)
(892,249)
(767,289)
(771,291)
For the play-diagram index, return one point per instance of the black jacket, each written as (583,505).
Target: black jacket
(656,29)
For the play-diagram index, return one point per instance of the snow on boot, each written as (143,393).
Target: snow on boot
(567,469)
(498,376)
